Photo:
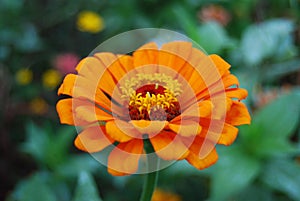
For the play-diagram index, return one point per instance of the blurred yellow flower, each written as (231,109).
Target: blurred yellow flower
(38,106)
(89,21)
(24,76)
(51,78)
(160,195)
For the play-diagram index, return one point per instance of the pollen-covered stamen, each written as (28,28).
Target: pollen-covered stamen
(151,89)
(152,97)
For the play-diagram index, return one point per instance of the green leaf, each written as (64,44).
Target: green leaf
(255,193)
(48,148)
(280,118)
(277,70)
(36,141)
(76,164)
(58,145)
(275,147)
(233,172)
(86,188)
(35,188)
(271,127)
(212,37)
(189,25)
(284,176)
(270,38)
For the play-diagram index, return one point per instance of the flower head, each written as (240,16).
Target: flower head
(177,98)
(89,21)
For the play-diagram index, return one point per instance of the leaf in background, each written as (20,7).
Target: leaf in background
(233,172)
(58,145)
(271,127)
(189,24)
(213,37)
(255,192)
(75,164)
(86,188)
(34,188)
(277,70)
(275,147)
(270,38)
(284,176)
(36,142)
(48,148)
(279,118)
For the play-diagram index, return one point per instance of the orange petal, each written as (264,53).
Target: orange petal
(86,89)
(201,109)
(91,113)
(66,114)
(93,139)
(120,130)
(202,154)
(147,56)
(186,128)
(168,146)
(90,68)
(218,131)
(195,111)
(228,135)
(125,157)
(238,93)
(82,87)
(107,83)
(149,127)
(238,114)
(221,105)
(111,76)
(222,65)
(174,54)
(64,110)
(67,85)
(205,72)
(95,70)
(126,62)
(111,61)
(218,87)
(230,80)
(79,112)
(98,97)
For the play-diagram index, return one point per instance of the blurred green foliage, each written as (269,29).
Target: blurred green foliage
(260,38)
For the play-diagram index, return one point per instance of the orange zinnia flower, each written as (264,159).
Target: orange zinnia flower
(177,98)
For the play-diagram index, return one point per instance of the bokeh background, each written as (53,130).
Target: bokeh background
(42,40)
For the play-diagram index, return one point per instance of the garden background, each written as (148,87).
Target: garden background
(42,40)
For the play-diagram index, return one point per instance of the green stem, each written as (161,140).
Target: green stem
(149,186)
(152,177)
